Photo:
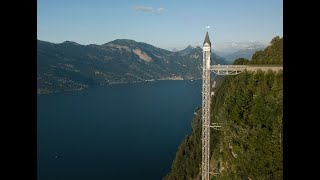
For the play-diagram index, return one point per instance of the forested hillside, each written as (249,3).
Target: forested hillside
(71,66)
(249,143)
(273,54)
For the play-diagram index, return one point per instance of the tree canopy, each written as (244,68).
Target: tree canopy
(249,143)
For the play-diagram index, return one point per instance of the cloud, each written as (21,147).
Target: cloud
(147,9)
(234,44)
(159,10)
(143,8)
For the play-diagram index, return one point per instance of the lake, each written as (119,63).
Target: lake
(127,131)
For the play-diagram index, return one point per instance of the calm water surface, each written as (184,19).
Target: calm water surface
(129,131)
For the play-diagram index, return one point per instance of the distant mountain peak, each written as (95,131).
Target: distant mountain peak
(246,53)
(174,50)
(70,42)
(121,41)
(187,50)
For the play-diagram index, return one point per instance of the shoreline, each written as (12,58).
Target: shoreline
(111,84)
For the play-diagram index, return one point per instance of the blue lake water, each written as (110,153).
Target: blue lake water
(129,131)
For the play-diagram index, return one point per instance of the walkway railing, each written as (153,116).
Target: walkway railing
(236,69)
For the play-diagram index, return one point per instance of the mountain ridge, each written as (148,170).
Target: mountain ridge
(71,66)
(246,53)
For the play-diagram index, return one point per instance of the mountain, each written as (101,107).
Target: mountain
(243,53)
(186,50)
(71,66)
(225,48)
(174,49)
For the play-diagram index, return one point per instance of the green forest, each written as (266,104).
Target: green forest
(249,143)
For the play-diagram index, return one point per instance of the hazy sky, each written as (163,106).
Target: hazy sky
(162,23)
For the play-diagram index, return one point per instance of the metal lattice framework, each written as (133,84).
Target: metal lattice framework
(206,98)
(206,112)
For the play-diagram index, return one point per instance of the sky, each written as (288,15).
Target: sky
(166,24)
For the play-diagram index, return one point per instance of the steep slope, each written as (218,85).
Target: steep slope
(249,143)
(249,146)
(273,54)
(71,66)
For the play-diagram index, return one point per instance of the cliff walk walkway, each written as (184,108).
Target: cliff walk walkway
(236,69)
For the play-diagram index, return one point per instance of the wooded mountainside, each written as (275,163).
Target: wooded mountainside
(249,145)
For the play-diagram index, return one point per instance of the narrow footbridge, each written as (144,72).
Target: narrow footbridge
(236,69)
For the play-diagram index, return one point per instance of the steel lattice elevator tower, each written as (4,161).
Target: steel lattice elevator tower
(206,108)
